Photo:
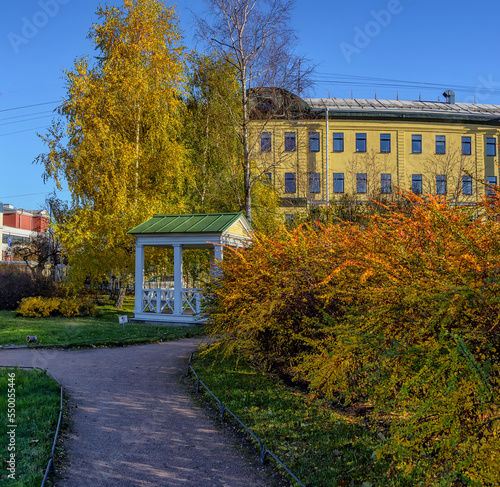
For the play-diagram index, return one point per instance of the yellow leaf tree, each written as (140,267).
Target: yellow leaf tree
(117,142)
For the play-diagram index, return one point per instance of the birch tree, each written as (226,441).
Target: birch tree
(213,149)
(116,143)
(255,38)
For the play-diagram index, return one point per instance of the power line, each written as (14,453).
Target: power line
(368,81)
(22,195)
(26,120)
(31,194)
(26,130)
(30,106)
(27,115)
(388,81)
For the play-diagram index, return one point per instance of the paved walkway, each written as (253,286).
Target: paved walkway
(133,424)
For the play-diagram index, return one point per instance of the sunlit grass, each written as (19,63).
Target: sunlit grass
(64,331)
(36,414)
(322,446)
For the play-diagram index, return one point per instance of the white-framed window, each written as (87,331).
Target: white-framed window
(338,182)
(385,143)
(416,183)
(313,141)
(467,185)
(361,183)
(360,142)
(491,146)
(386,183)
(440,184)
(265,142)
(314,182)
(440,144)
(289,141)
(338,142)
(290,182)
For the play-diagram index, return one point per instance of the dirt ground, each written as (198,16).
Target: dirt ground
(133,424)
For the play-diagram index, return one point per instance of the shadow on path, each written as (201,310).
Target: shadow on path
(132,422)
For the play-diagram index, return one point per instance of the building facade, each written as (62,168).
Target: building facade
(18,225)
(331,149)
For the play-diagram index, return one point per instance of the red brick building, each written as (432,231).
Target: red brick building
(33,220)
(18,225)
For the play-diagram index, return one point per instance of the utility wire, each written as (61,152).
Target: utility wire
(30,106)
(22,195)
(368,81)
(332,79)
(26,130)
(26,120)
(27,115)
(32,194)
(387,81)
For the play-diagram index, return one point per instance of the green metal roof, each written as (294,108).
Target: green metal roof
(199,223)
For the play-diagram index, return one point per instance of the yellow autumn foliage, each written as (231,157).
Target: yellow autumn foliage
(401,312)
(116,144)
(40,307)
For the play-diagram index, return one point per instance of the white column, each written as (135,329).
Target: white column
(139,277)
(177,279)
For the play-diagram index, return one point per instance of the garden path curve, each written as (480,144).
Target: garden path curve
(133,424)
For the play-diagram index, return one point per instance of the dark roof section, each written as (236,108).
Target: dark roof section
(279,102)
(197,223)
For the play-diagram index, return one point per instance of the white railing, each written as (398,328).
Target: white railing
(163,301)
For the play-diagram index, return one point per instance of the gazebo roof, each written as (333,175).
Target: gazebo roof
(194,223)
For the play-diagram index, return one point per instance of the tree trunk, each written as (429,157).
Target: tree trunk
(137,141)
(248,199)
(120,298)
(247,168)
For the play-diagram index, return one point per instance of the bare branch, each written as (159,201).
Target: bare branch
(254,36)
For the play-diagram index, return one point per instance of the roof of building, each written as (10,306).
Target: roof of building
(406,108)
(9,209)
(194,223)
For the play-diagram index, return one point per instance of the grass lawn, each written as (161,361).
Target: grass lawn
(320,445)
(63,331)
(37,400)
(37,395)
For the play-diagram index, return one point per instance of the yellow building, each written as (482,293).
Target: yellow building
(317,150)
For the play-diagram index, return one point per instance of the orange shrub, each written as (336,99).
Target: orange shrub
(402,311)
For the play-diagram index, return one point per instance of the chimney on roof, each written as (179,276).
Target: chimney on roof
(450,96)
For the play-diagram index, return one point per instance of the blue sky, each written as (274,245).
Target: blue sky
(413,47)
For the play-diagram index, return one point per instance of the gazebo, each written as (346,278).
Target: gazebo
(213,231)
